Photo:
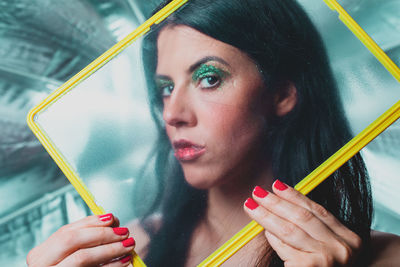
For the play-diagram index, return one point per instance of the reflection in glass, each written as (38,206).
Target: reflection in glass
(110,145)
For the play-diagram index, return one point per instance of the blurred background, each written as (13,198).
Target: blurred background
(45,42)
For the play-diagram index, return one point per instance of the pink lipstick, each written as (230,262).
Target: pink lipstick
(187,151)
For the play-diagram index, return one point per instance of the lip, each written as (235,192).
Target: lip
(187,151)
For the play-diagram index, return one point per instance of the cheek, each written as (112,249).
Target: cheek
(234,126)
(169,130)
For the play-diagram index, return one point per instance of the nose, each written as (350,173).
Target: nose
(178,109)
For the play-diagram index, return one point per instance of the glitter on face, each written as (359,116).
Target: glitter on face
(210,74)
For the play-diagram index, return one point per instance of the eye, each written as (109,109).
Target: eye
(166,90)
(208,76)
(164,86)
(210,81)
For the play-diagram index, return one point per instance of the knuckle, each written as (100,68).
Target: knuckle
(64,230)
(264,217)
(116,249)
(304,215)
(295,196)
(69,238)
(79,258)
(357,242)
(345,252)
(287,230)
(319,210)
(103,235)
(277,242)
(274,201)
(325,259)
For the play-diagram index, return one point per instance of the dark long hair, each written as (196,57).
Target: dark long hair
(282,41)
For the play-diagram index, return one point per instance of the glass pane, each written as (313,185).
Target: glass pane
(368,90)
(173,133)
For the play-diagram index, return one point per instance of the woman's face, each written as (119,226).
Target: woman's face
(214,105)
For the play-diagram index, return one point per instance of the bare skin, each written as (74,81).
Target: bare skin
(214,114)
(385,247)
(91,241)
(219,109)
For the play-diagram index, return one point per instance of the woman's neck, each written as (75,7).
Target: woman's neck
(225,215)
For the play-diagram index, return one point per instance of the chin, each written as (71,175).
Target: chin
(200,180)
(198,183)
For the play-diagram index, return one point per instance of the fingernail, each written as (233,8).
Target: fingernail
(128,242)
(120,230)
(126,259)
(280,186)
(106,217)
(251,204)
(260,192)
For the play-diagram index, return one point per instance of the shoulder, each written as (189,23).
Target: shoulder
(141,231)
(385,249)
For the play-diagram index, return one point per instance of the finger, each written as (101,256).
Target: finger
(100,254)
(115,222)
(124,261)
(284,251)
(67,240)
(48,254)
(290,194)
(294,213)
(293,257)
(107,219)
(288,232)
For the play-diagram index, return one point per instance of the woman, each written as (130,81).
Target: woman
(242,91)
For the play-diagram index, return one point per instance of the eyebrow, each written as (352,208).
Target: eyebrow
(195,66)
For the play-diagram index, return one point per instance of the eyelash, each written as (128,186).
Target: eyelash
(207,76)
(169,87)
(198,80)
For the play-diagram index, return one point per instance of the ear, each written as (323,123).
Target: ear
(285,99)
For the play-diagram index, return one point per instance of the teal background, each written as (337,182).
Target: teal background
(43,43)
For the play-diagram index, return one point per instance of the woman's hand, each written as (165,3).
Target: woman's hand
(302,232)
(92,241)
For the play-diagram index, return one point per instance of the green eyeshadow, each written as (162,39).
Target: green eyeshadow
(163,82)
(205,70)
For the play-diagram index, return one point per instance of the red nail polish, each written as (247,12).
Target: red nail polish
(251,204)
(280,186)
(106,217)
(260,192)
(120,230)
(126,259)
(128,242)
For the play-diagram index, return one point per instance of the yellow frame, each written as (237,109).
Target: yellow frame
(336,160)
(74,81)
(305,186)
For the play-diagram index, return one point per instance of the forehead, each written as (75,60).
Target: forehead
(182,45)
